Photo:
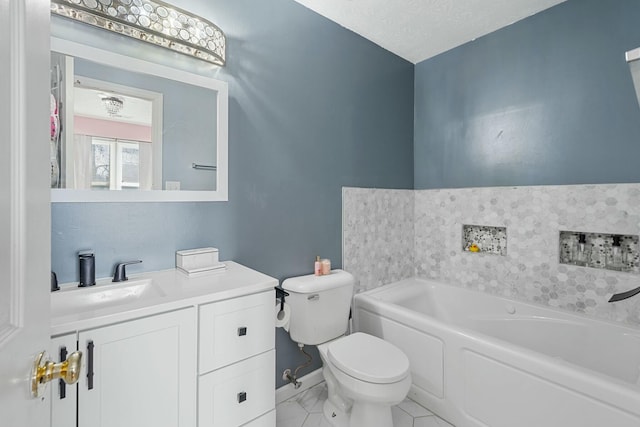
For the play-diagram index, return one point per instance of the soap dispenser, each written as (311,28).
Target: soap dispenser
(581,252)
(87,264)
(615,258)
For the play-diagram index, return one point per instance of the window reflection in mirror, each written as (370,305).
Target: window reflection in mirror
(115,164)
(113,146)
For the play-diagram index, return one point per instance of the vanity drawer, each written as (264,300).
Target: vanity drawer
(236,329)
(237,394)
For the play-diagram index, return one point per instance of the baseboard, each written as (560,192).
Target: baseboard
(287,391)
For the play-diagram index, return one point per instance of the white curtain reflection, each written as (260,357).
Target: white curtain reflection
(82,165)
(111,164)
(146,166)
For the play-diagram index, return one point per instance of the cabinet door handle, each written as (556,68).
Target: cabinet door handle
(242,331)
(90,365)
(62,386)
(242,396)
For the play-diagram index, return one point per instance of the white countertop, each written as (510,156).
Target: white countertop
(179,291)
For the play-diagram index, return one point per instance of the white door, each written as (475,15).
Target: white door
(24,206)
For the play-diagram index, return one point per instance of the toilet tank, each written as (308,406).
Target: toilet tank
(319,306)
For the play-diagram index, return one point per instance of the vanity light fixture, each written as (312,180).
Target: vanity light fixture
(113,105)
(154,22)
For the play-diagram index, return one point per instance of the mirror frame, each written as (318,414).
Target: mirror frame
(221,193)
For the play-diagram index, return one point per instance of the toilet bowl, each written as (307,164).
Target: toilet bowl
(365,376)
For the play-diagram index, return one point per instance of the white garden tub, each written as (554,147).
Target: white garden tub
(479,360)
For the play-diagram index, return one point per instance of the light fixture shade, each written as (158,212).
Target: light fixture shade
(151,21)
(113,105)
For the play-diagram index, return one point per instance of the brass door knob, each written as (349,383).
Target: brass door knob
(45,370)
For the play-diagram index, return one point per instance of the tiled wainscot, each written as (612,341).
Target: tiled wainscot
(382,221)
(383,242)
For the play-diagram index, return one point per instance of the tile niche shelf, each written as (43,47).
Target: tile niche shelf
(598,250)
(484,239)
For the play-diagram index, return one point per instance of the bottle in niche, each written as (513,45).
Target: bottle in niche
(581,252)
(598,257)
(616,258)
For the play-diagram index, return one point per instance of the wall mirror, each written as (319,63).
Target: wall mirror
(124,129)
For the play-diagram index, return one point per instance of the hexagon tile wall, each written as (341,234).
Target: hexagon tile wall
(530,270)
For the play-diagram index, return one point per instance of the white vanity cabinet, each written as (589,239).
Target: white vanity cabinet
(209,363)
(237,362)
(139,373)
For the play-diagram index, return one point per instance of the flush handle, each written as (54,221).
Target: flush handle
(242,396)
(242,331)
(314,297)
(45,370)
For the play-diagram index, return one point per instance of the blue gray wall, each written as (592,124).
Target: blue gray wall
(547,100)
(313,107)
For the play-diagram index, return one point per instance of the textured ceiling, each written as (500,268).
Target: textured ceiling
(419,29)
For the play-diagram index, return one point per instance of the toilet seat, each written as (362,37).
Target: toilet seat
(368,358)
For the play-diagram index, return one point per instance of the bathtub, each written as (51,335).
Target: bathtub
(482,361)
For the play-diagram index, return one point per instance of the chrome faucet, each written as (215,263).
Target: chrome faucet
(120,275)
(624,295)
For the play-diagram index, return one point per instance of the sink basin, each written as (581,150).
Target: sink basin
(75,300)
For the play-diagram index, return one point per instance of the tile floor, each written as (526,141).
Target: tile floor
(305,410)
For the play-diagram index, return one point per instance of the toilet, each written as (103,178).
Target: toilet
(365,375)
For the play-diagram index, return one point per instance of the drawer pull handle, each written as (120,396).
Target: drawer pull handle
(242,331)
(242,396)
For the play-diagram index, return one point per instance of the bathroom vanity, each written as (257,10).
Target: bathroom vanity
(165,349)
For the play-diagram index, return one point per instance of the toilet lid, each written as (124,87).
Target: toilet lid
(368,358)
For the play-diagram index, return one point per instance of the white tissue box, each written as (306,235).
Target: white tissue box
(197,260)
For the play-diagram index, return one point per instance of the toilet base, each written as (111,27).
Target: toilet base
(335,416)
(361,414)
(370,415)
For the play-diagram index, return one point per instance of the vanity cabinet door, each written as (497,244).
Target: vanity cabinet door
(63,396)
(140,373)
